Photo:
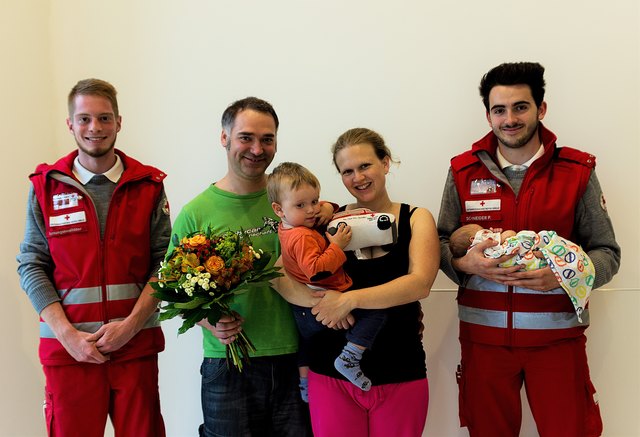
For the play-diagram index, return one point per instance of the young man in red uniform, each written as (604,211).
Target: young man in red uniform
(519,326)
(97,228)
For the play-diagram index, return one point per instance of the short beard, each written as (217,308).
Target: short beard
(519,143)
(97,153)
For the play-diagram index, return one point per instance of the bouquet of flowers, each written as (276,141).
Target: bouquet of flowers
(203,273)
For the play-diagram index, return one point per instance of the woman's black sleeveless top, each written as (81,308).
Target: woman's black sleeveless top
(397,354)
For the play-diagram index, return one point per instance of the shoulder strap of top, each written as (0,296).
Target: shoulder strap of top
(404,224)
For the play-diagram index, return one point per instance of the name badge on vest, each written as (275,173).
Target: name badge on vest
(482,205)
(483,186)
(67,219)
(65,200)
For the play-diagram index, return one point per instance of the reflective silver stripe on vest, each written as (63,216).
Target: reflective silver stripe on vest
(124,291)
(520,290)
(495,319)
(94,294)
(498,319)
(91,327)
(81,295)
(479,283)
(152,321)
(549,320)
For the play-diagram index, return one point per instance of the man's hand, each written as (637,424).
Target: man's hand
(81,347)
(227,328)
(475,263)
(112,336)
(541,280)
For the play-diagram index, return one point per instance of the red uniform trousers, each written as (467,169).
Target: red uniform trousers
(79,398)
(557,383)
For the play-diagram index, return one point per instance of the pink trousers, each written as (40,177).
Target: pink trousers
(340,408)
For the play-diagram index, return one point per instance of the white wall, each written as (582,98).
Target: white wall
(26,129)
(408,69)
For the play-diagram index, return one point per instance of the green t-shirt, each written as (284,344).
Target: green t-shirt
(268,319)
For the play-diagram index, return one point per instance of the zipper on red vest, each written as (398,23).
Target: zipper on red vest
(104,241)
(510,330)
(103,286)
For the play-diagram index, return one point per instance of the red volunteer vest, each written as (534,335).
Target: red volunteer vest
(496,314)
(98,281)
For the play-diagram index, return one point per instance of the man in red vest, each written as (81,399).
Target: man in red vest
(97,228)
(520,326)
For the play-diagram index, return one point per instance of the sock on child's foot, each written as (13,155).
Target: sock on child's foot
(348,364)
(304,389)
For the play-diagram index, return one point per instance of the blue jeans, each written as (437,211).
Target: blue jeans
(363,333)
(263,400)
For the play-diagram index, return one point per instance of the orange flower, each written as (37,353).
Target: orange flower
(214,264)
(190,260)
(195,241)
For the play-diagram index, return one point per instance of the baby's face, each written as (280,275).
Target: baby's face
(300,207)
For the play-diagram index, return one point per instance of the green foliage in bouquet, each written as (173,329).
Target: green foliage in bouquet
(200,277)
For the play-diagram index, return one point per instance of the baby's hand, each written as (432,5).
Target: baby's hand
(341,237)
(538,254)
(325,214)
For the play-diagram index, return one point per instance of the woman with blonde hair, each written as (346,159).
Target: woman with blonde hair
(395,280)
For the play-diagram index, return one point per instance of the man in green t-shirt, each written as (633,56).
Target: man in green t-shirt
(264,398)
